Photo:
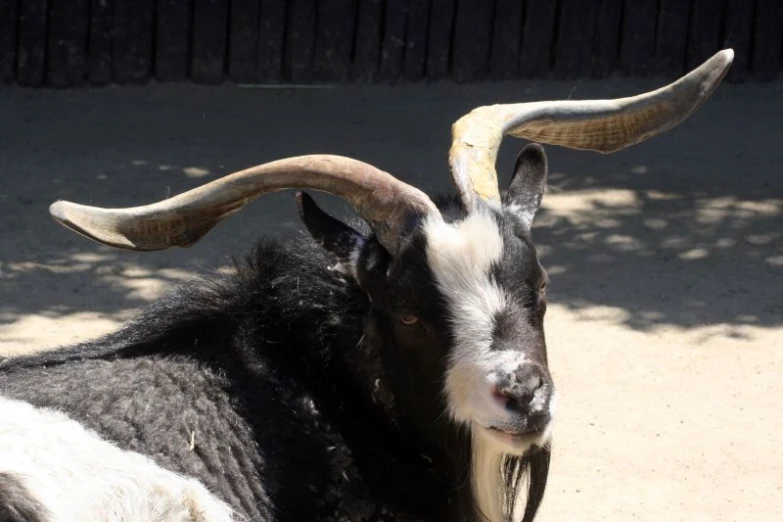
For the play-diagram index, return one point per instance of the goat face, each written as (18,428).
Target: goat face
(464,299)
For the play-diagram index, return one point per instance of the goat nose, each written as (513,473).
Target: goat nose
(525,391)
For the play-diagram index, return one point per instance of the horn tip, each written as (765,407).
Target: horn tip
(724,58)
(66,214)
(706,78)
(714,68)
(59,211)
(75,217)
(56,209)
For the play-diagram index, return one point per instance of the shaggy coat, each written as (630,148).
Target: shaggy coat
(221,363)
(293,388)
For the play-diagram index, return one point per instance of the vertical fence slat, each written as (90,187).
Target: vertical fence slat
(334,39)
(172,40)
(671,46)
(416,40)
(704,31)
(637,46)
(67,42)
(99,42)
(367,40)
(606,38)
(243,41)
(765,62)
(31,50)
(210,18)
(537,34)
(300,37)
(472,39)
(737,35)
(132,41)
(575,38)
(439,42)
(393,42)
(8,41)
(506,35)
(271,35)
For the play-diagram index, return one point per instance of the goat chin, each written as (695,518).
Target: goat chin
(497,495)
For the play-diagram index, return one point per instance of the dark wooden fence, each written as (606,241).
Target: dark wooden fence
(65,43)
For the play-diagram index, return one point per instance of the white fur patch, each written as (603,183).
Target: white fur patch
(80,477)
(460,256)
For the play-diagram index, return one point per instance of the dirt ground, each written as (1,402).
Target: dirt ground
(665,327)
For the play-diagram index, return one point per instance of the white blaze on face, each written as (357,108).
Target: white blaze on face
(461,256)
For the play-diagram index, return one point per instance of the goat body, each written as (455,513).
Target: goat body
(260,385)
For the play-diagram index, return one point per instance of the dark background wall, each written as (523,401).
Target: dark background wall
(63,43)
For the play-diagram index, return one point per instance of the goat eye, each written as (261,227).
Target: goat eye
(542,287)
(409,320)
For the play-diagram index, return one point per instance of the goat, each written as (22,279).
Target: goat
(391,370)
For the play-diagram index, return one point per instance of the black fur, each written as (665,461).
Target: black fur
(306,396)
(268,400)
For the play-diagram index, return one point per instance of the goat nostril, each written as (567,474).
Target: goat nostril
(499,396)
(510,401)
(513,405)
(526,393)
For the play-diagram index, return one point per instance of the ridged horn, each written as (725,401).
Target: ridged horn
(601,125)
(385,202)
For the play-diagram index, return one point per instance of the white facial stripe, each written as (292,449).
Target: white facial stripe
(461,256)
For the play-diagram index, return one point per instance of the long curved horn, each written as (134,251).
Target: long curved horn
(600,125)
(384,201)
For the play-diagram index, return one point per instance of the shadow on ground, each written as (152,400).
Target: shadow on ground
(685,230)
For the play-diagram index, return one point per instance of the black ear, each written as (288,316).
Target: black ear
(336,237)
(528,184)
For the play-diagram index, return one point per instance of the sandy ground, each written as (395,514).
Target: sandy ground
(665,327)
